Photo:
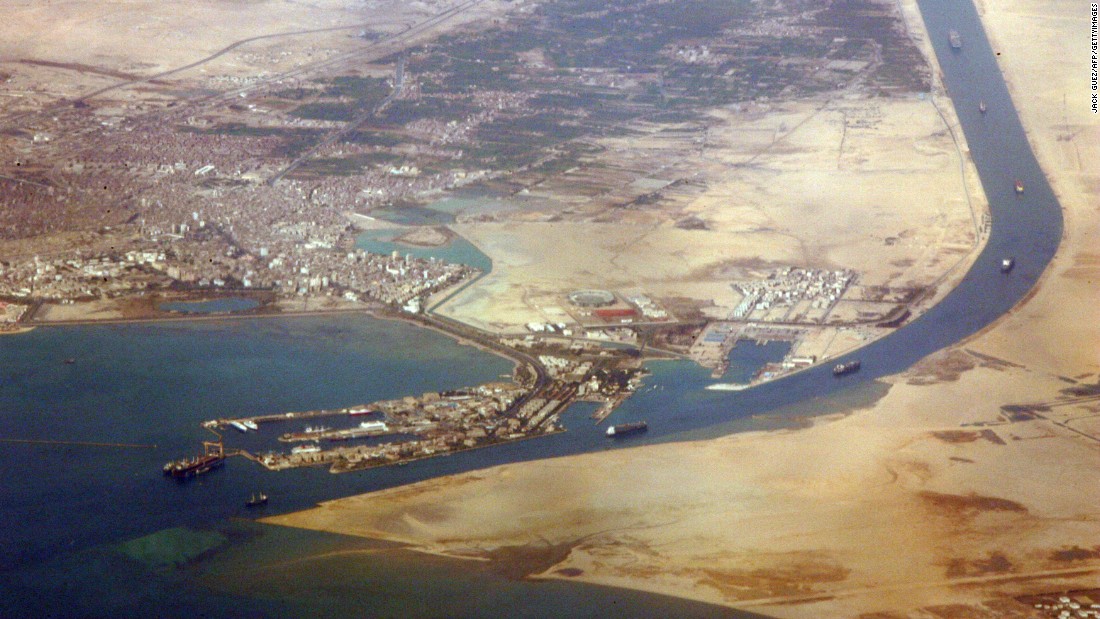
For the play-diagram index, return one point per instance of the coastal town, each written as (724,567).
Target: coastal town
(549,308)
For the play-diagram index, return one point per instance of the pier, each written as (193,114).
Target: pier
(548,378)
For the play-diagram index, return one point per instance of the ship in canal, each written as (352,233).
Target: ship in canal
(982,107)
(841,369)
(956,39)
(1019,186)
(625,429)
(186,468)
(1007,264)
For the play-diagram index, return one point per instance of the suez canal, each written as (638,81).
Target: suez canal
(1027,227)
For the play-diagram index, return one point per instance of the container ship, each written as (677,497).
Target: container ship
(841,369)
(627,428)
(956,40)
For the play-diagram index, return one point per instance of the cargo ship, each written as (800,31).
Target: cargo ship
(251,425)
(306,449)
(956,40)
(841,369)
(199,465)
(239,426)
(1019,186)
(1007,264)
(257,500)
(981,107)
(360,411)
(625,429)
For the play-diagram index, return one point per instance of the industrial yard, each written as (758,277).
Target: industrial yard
(440,423)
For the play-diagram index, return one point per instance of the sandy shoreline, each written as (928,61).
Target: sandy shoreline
(971,481)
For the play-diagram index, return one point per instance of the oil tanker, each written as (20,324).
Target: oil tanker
(190,467)
(213,457)
(625,429)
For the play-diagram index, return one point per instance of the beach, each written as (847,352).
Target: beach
(972,480)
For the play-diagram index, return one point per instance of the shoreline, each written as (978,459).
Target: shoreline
(816,511)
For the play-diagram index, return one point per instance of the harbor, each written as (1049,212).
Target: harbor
(286,371)
(547,379)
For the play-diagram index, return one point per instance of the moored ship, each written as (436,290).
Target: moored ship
(184,468)
(841,369)
(956,39)
(624,429)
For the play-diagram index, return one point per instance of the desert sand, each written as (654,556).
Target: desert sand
(936,497)
(55,50)
(875,185)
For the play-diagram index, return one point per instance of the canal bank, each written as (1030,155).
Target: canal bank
(214,501)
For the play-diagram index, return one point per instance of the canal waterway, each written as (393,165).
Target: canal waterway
(65,507)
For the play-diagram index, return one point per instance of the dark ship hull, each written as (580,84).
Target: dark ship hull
(627,429)
(841,369)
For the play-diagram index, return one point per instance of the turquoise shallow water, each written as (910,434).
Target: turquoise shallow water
(458,251)
(65,509)
(266,571)
(152,384)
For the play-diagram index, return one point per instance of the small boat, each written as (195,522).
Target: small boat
(69,361)
(1019,186)
(1007,264)
(956,39)
(257,500)
(981,106)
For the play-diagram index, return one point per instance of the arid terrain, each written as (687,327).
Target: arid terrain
(971,482)
(241,148)
(672,169)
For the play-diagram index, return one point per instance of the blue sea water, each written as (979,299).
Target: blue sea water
(96,530)
(66,509)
